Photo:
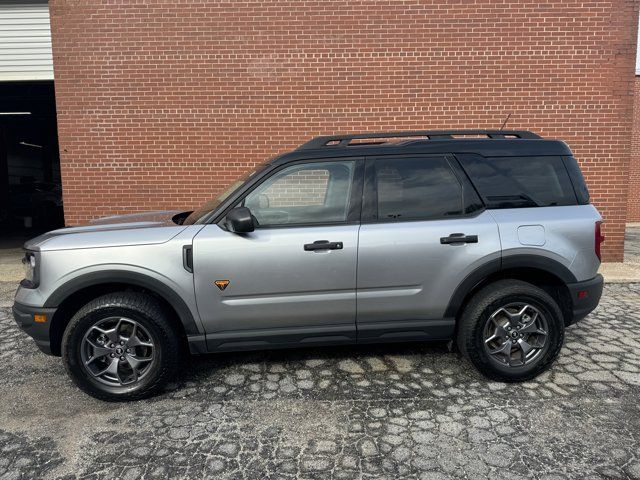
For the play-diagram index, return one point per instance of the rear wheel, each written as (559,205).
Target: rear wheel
(511,331)
(121,346)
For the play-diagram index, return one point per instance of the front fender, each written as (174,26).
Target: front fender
(188,315)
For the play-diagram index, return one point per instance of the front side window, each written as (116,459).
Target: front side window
(416,189)
(198,215)
(308,193)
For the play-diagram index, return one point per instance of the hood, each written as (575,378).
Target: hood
(112,231)
(137,220)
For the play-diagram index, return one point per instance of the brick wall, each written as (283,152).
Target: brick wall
(633,214)
(160,104)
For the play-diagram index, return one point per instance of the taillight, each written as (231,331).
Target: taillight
(599,239)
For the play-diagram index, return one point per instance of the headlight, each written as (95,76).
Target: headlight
(30,264)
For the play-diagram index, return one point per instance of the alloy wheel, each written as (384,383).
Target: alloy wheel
(117,351)
(515,334)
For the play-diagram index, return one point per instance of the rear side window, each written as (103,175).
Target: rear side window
(416,189)
(513,182)
(579,185)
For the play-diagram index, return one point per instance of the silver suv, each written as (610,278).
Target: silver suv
(486,238)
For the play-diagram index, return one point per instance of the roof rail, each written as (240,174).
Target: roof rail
(345,140)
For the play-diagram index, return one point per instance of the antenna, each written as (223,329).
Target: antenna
(505,122)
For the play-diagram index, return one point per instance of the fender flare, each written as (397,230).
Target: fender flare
(505,263)
(122,276)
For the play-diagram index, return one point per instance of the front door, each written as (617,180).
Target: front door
(423,231)
(292,280)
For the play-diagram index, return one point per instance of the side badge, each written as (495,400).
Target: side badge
(221,284)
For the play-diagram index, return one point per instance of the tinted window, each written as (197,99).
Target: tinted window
(416,188)
(303,194)
(198,215)
(579,185)
(511,182)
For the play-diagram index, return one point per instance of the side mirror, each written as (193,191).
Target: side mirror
(240,220)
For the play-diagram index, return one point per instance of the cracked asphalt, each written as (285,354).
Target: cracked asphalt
(395,411)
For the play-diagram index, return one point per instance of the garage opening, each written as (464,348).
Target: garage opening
(30,190)
(30,186)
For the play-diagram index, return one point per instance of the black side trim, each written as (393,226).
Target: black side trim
(585,296)
(406,331)
(473,279)
(119,276)
(281,338)
(501,264)
(187,258)
(197,344)
(23,315)
(541,263)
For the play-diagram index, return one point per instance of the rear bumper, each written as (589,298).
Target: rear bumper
(585,296)
(24,317)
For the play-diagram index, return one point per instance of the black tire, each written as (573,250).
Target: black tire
(477,313)
(145,311)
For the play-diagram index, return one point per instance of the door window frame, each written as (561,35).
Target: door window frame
(355,198)
(471,202)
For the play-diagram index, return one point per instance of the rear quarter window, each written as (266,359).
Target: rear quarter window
(516,182)
(579,185)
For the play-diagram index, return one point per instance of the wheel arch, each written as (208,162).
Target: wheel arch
(71,296)
(544,272)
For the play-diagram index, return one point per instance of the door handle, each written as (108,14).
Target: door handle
(458,238)
(322,245)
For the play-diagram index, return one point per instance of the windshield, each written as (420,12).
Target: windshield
(215,202)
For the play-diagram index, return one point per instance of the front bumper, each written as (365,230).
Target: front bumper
(39,331)
(585,296)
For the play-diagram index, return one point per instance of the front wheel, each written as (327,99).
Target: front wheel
(511,331)
(120,346)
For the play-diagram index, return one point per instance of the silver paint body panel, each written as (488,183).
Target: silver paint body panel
(274,282)
(405,273)
(569,235)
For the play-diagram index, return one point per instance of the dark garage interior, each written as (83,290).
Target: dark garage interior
(30,185)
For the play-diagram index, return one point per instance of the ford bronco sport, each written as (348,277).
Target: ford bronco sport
(486,238)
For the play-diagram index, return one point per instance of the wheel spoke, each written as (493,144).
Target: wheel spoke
(504,348)
(136,342)
(492,338)
(135,361)
(522,311)
(98,351)
(111,334)
(533,328)
(111,369)
(525,346)
(512,318)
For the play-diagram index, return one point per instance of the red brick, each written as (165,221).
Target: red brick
(161,104)
(633,213)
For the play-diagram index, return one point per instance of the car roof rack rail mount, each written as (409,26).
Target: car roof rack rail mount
(326,141)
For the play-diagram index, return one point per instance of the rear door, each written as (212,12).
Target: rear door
(423,230)
(293,279)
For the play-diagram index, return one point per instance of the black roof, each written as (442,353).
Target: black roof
(488,143)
